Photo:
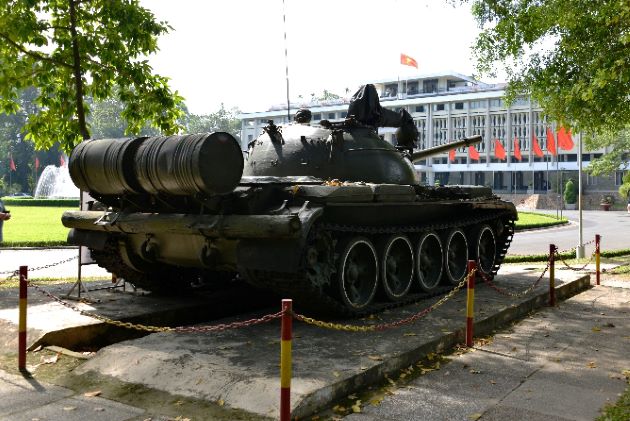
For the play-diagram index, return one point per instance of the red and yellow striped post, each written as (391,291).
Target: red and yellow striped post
(470,302)
(552,274)
(285,360)
(22,319)
(597,271)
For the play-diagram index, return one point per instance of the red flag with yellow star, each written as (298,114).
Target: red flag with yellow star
(408,61)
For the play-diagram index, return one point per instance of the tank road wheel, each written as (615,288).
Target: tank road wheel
(358,273)
(485,249)
(429,261)
(396,266)
(456,256)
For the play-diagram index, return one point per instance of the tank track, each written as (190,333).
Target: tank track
(159,281)
(311,298)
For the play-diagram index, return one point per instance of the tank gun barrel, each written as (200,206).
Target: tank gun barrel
(467,141)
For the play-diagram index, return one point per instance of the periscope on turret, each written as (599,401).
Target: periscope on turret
(330,215)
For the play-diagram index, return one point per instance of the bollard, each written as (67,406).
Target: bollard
(470,303)
(286,335)
(597,268)
(552,280)
(22,319)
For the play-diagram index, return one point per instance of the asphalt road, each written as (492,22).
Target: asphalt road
(614,227)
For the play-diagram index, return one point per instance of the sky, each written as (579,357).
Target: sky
(232,51)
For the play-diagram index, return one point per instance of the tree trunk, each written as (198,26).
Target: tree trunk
(78,79)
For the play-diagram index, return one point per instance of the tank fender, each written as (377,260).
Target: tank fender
(278,255)
(93,239)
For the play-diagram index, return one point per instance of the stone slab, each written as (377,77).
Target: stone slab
(241,367)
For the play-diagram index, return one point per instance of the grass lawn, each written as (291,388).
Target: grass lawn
(528,220)
(34,226)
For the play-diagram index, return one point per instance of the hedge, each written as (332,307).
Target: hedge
(67,203)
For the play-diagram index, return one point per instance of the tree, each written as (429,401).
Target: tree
(221,120)
(76,49)
(571,56)
(570,192)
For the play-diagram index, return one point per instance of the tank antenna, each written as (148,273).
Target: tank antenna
(286,58)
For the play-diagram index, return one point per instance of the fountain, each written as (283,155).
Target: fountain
(55,183)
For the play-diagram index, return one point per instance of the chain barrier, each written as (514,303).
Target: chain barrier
(576,268)
(153,329)
(383,326)
(507,293)
(14,273)
(574,248)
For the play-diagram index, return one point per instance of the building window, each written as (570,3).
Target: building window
(250,122)
(477,104)
(317,117)
(331,116)
(496,103)
(439,107)
(618,178)
(343,115)
(591,180)
(419,108)
(429,85)
(250,137)
(458,106)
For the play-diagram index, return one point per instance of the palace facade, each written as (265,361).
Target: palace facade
(451,106)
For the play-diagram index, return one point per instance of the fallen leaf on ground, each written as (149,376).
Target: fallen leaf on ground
(410,334)
(596,329)
(591,364)
(179,403)
(51,360)
(376,401)
(99,409)
(220,402)
(92,394)
(474,416)
(375,357)
(339,409)
(69,408)
(352,397)
(493,382)
(336,373)
(473,371)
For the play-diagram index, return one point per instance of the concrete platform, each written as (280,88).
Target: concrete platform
(240,368)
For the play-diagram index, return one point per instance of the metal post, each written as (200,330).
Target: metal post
(470,302)
(579,250)
(552,273)
(22,319)
(597,261)
(286,336)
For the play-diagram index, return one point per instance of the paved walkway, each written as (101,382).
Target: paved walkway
(564,363)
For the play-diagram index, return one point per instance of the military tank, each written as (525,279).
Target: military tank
(330,214)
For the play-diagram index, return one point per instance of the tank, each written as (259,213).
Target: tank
(330,215)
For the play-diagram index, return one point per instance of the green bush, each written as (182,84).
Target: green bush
(570,192)
(66,203)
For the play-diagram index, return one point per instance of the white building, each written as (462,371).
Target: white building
(451,106)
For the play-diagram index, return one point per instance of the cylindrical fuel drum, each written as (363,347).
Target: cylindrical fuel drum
(210,163)
(105,166)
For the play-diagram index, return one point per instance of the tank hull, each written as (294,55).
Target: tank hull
(292,245)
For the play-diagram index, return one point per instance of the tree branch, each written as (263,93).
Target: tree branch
(33,54)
